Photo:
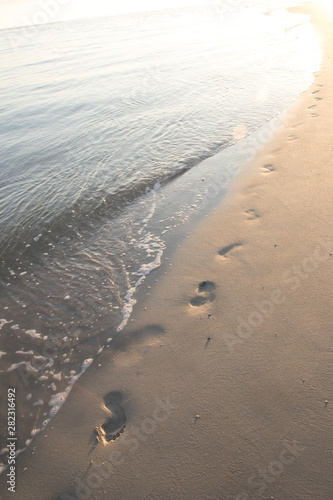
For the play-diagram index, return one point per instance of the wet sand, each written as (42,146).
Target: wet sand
(221,386)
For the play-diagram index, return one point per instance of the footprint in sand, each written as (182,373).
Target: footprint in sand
(205,293)
(252,214)
(198,301)
(268,168)
(114,425)
(225,250)
(292,137)
(313,106)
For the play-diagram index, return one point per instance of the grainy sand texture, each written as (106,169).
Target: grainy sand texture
(221,386)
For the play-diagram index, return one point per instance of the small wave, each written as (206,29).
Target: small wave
(29,239)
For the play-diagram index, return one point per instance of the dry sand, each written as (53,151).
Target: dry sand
(223,374)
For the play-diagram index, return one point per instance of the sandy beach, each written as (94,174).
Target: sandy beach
(221,385)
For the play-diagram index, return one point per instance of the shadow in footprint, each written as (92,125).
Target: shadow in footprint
(268,168)
(228,249)
(115,424)
(206,286)
(198,301)
(206,290)
(207,342)
(252,214)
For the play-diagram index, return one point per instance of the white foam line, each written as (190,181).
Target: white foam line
(145,221)
(56,401)
(26,364)
(145,269)
(33,334)
(129,300)
(4,322)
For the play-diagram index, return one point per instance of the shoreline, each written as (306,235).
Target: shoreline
(78,314)
(221,377)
